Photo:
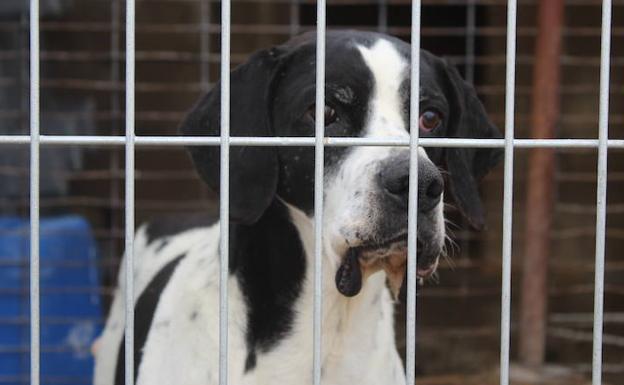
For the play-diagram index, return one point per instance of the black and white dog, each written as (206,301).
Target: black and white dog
(271,246)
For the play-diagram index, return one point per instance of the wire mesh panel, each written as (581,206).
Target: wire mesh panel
(113,141)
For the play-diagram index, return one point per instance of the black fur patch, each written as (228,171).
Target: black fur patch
(143,316)
(269,262)
(250,362)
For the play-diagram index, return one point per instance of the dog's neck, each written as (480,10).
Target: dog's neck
(274,260)
(330,263)
(355,330)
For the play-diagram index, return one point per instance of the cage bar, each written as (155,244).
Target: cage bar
(129,192)
(319,154)
(348,2)
(35,314)
(152,141)
(601,193)
(510,87)
(224,196)
(412,207)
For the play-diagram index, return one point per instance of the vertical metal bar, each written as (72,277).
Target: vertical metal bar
(224,198)
(540,184)
(471,22)
(204,44)
(294,17)
(601,193)
(382,16)
(412,224)
(510,87)
(318,186)
(34,195)
(129,195)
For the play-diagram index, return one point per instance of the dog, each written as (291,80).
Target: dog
(271,255)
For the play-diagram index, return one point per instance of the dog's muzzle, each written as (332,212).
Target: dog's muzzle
(388,250)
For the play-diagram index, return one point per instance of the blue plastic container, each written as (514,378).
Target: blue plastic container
(71,315)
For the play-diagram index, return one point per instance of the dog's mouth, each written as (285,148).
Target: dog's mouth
(389,255)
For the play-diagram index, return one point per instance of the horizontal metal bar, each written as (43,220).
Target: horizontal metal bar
(501,3)
(147,141)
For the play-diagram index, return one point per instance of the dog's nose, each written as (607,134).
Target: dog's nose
(431,190)
(395,182)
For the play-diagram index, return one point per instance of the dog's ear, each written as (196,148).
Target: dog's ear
(466,166)
(253,170)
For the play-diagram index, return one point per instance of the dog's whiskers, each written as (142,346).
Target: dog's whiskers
(434,277)
(449,206)
(453,245)
(451,224)
(446,257)
(450,246)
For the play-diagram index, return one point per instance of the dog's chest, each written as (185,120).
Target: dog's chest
(182,345)
(184,338)
(357,343)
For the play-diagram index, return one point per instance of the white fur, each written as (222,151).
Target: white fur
(149,260)
(352,190)
(358,335)
(389,69)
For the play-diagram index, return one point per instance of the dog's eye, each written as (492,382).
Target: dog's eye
(429,121)
(330,114)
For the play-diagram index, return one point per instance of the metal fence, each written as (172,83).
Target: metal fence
(509,143)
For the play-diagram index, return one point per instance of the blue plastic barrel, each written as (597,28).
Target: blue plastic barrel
(71,314)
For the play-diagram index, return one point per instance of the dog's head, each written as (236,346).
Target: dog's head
(366,188)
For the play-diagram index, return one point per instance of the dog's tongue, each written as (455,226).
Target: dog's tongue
(349,275)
